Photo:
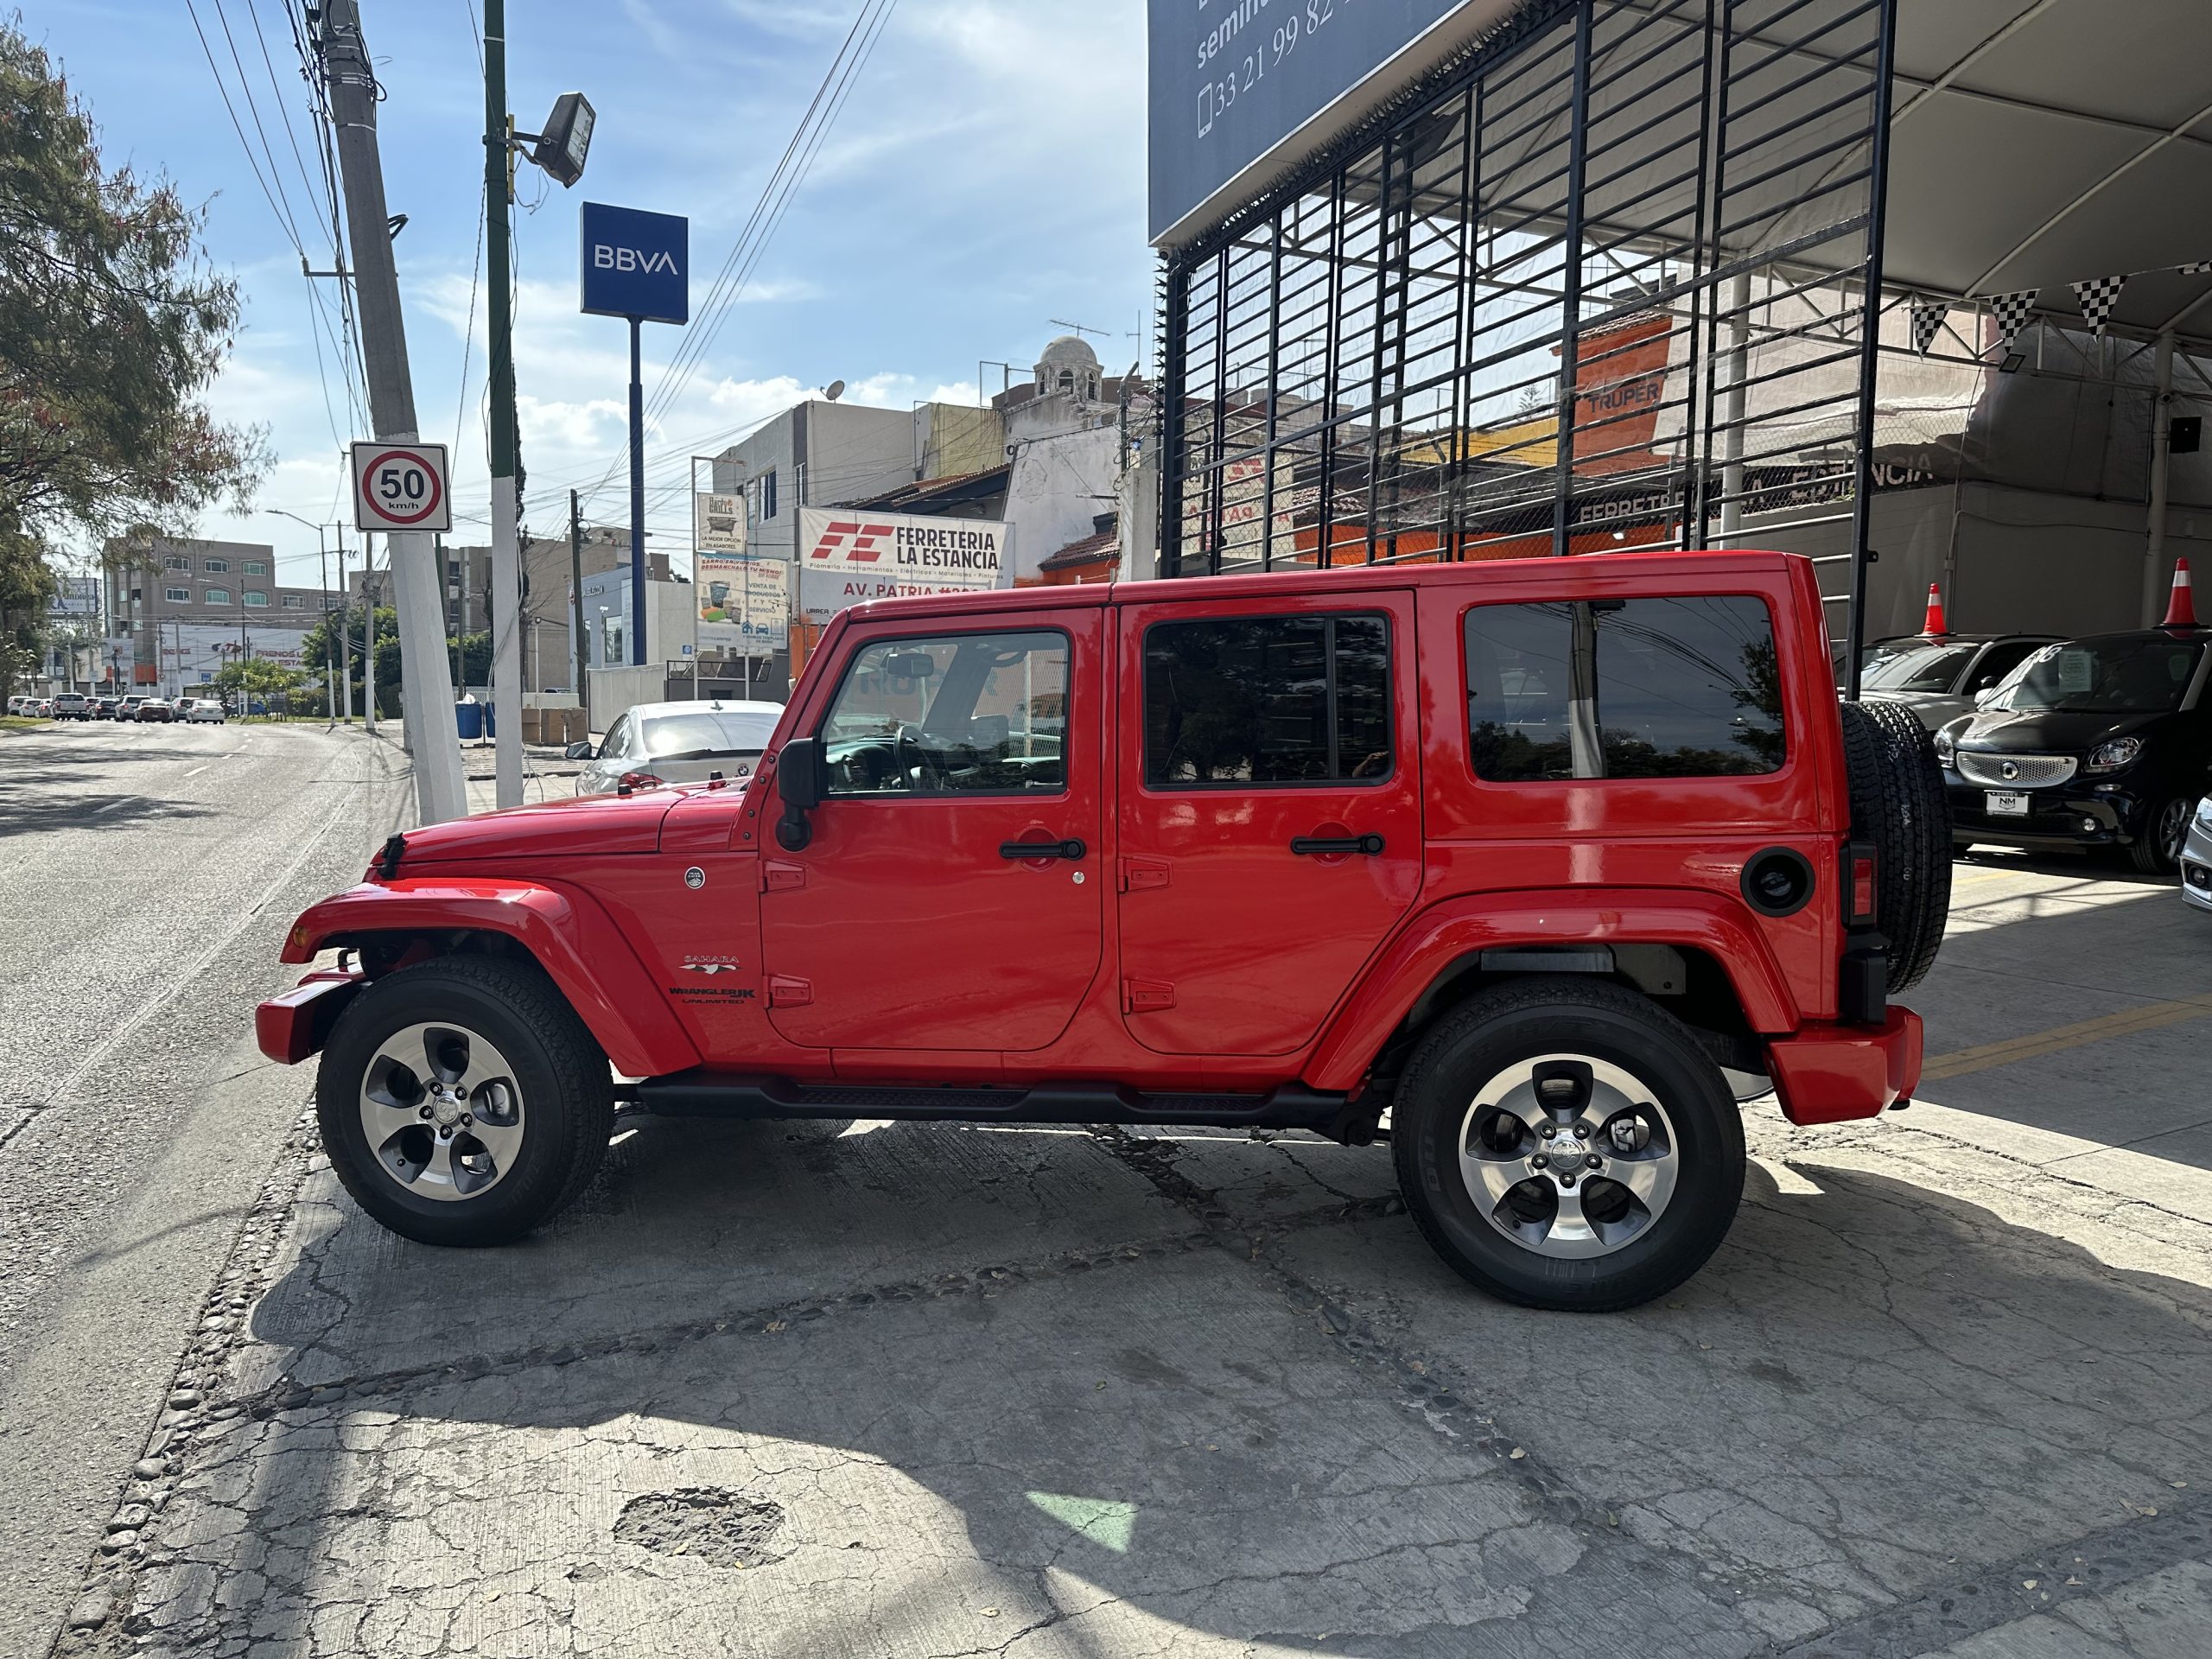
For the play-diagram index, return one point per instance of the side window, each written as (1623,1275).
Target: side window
(2000,660)
(1302,699)
(975,713)
(1636,688)
(618,739)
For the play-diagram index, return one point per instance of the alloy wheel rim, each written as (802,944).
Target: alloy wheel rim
(1569,1156)
(441,1111)
(2173,831)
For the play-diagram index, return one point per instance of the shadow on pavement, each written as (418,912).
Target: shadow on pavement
(957,1387)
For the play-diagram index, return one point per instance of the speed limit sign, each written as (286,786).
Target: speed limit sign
(401,486)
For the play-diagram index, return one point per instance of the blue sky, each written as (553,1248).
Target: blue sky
(986,176)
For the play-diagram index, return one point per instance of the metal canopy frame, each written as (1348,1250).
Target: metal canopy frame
(1611,280)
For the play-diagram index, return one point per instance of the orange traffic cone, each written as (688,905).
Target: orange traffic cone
(1935,625)
(2181,606)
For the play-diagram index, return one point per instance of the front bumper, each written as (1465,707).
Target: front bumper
(2073,814)
(296,1025)
(1832,1074)
(2196,865)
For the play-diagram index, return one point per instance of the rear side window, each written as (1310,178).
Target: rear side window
(1635,688)
(1267,700)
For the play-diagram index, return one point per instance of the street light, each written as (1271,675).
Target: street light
(345,667)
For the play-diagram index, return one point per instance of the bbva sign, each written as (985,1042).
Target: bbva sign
(644,259)
(635,264)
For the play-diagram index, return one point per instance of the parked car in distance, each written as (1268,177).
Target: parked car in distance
(128,708)
(156,711)
(41,709)
(104,708)
(16,703)
(2099,742)
(2197,857)
(656,743)
(71,705)
(202,711)
(1523,853)
(1938,676)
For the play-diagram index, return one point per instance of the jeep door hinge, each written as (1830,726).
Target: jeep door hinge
(1147,996)
(776,876)
(1142,875)
(785,992)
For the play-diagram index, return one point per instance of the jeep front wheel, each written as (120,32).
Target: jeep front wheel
(1568,1145)
(463,1101)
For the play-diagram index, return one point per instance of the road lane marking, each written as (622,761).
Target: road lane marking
(196,771)
(2127,1022)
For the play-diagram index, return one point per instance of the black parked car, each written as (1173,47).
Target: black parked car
(2098,742)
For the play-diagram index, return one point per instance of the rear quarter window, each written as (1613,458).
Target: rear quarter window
(1634,688)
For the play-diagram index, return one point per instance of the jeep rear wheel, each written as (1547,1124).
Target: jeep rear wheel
(1568,1145)
(1899,804)
(463,1101)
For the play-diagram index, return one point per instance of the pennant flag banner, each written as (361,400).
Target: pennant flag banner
(2098,295)
(1927,321)
(2011,311)
(2197,268)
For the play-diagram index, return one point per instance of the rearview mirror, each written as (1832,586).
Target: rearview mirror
(578,752)
(799,779)
(910,665)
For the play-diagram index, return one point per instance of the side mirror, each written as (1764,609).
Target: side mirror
(578,752)
(800,778)
(1982,695)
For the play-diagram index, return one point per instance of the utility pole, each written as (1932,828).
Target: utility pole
(576,600)
(427,692)
(345,635)
(506,509)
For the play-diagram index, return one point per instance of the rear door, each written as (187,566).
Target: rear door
(914,919)
(1270,812)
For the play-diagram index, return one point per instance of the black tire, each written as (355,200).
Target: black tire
(1898,803)
(565,1112)
(2157,851)
(1467,1048)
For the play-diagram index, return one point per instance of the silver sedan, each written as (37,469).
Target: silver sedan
(658,743)
(2196,858)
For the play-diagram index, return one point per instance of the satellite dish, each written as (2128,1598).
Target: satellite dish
(834,390)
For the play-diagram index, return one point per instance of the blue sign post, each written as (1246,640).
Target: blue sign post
(637,265)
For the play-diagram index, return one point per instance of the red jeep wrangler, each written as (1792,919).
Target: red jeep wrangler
(1513,863)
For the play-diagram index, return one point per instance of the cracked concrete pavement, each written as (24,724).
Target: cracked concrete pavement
(908,1389)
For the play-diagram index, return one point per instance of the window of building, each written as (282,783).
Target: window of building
(977,714)
(1067,379)
(215,597)
(176,562)
(1261,700)
(216,567)
(255,568)
(768,495)
(1635,688)
(250,597)
(178,595)
(294,603)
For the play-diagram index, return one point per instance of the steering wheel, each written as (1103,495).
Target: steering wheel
(909,759)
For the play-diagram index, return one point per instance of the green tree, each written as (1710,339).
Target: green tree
(248,680)
(112,327)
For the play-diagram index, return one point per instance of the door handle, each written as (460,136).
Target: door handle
(1068,849)
(1323,845)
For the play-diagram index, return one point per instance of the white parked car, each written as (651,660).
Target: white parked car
(201,709)
(658,743)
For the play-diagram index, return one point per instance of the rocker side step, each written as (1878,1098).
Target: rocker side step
(709,1094)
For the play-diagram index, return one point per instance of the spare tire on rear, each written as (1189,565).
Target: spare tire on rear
(1898,803)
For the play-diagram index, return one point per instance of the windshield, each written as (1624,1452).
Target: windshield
(709,731)
(1916,668)
(2112,676)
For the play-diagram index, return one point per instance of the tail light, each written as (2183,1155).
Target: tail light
(637,780)
(1861,885)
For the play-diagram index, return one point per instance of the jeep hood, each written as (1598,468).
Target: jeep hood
(595,824)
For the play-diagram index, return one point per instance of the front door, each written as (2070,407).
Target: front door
(1270,812)
(913,920)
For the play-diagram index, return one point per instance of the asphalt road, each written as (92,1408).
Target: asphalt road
(147,875)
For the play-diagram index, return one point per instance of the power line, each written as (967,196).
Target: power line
(222,88)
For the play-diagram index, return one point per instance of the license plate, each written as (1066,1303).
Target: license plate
(2006,803)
